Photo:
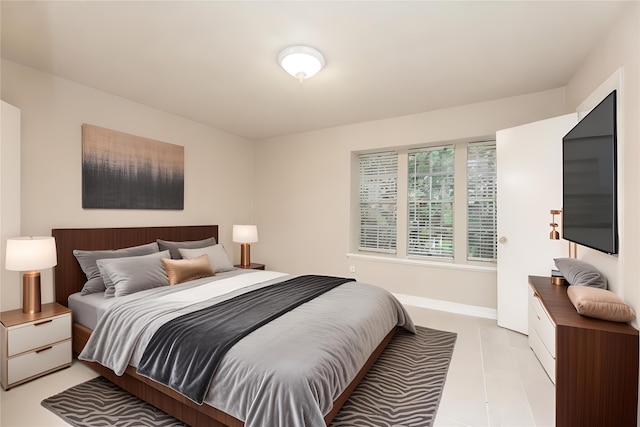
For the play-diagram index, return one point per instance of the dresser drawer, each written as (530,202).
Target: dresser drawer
(547,361)
(37,362)
(29,336)
(540,321)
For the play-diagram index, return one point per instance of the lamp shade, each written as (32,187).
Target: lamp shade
(301,61)
(30,253)
(245,233)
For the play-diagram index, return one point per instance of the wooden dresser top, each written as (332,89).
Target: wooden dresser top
(555,300)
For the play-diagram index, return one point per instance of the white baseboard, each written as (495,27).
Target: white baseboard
(451,307)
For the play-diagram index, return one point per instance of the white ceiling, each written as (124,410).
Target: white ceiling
(216,62)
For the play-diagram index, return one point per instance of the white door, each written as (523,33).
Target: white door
(529,186)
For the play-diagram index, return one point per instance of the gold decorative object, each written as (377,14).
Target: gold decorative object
(554,235)
(573,250)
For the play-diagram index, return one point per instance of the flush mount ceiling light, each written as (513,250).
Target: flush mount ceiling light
(301,62)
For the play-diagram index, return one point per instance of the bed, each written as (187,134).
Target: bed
(70,279)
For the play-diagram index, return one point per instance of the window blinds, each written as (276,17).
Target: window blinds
(378,199)
(481,201)
(430,199)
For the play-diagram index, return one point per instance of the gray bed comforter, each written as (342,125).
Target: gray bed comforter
(286,373)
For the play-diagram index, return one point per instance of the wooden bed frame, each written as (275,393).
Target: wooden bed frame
(69,278)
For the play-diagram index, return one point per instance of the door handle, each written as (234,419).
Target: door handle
(503,240)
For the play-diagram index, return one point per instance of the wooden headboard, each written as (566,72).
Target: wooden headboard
(68,276)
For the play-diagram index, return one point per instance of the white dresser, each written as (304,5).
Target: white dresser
(542,334)
(34,344)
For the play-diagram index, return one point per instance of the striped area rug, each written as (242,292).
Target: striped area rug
(402,389)
(404,386)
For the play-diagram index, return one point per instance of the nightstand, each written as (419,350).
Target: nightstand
(33,345)
(253,265)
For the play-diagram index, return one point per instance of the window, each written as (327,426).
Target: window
(481,201)
(378,199)
(430,197)
(442,208)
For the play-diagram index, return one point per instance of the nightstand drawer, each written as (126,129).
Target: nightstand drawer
(37,334)
(37,362)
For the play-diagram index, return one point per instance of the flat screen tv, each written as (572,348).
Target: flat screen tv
(589,184)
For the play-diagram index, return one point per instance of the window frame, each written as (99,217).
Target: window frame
(460,258)
(446,203)
(388,161)
(487,198)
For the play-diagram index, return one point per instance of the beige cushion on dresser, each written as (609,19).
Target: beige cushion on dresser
(600,303)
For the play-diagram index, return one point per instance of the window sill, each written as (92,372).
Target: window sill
(424,263)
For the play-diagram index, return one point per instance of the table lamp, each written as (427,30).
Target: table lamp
(245,234)
(29,254)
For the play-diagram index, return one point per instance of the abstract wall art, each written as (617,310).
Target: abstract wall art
(122,171)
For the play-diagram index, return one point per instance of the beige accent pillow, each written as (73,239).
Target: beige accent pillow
(183,270)
(600,303)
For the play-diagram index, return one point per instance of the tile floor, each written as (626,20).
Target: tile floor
(494,380)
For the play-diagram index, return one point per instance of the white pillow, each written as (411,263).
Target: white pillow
(217,256)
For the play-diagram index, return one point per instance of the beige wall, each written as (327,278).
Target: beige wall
(620,49)
(9,189)
(302,195)
(218,173)
(298,190)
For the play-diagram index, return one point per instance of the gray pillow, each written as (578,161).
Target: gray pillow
(217,256)
(580,273)
(87,261)
(174,247)
(133,274)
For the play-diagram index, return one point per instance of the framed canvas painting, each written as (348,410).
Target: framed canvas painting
(122,171)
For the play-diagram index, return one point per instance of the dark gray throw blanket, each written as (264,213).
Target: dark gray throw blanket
(184,353)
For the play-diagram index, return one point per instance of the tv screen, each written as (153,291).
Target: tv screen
(589,211)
